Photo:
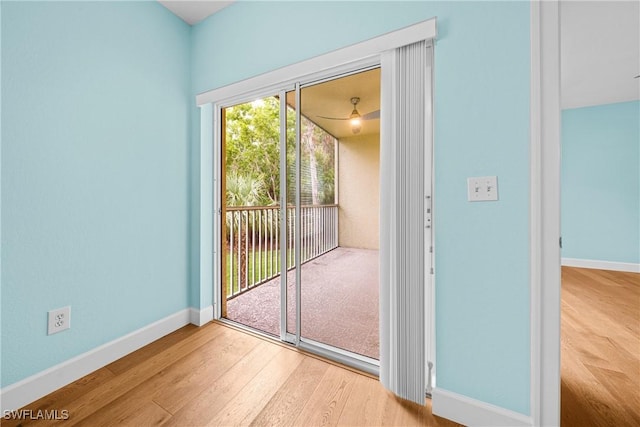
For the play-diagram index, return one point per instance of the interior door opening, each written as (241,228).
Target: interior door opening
(330,207)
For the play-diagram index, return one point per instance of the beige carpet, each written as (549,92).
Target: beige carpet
(339,302)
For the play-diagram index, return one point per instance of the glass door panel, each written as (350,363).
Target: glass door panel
(250,214)
(339,209)
(300,184)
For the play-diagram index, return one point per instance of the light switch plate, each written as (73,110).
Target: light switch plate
(482,188)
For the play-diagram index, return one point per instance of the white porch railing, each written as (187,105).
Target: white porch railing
(253,241)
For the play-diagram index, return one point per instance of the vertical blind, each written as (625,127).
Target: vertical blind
(402,222)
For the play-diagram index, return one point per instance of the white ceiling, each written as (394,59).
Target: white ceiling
(600,52)
(600,47)
(191,11)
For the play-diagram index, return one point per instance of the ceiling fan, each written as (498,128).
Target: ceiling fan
(355,117)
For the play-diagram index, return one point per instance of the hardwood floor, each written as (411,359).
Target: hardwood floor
(216,375)
(600,348)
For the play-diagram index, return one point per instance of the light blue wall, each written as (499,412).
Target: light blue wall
(196,297)
(95,141)
(601,182)
(96,169)
(482,128)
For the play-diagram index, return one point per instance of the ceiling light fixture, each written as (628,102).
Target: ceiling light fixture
(354,118)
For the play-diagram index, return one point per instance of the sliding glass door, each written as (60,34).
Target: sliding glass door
(300,174)
(299,237)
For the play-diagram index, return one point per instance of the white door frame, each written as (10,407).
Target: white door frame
(359,56)
(545,213)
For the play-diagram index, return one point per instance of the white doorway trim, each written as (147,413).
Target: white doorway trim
(545,213)
(318,66)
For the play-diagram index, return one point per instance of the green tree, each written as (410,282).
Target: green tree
(252,146)
(253,149)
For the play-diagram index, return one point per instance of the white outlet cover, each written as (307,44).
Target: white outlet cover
(482,188)
(59,320)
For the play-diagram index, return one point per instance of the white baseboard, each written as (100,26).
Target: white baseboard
(36,386)
(202,316)
(471,412)
(601,265)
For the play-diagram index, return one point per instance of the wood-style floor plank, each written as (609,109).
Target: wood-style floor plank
(172,388)
(117,387)
(289,400)
(600,344)
(62,398)
(369,405)
(134,359)
(616,384)
(201,408)
(247,404)
(217,367)
(216,375)
(326,403)
(146,413)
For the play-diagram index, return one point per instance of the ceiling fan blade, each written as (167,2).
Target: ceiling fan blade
(372,115)
(334,118)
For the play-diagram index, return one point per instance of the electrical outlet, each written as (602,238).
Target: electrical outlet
(59,320)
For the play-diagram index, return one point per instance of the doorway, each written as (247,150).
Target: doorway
(301,189)
(407,362)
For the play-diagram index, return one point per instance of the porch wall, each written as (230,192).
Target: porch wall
(359,191)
